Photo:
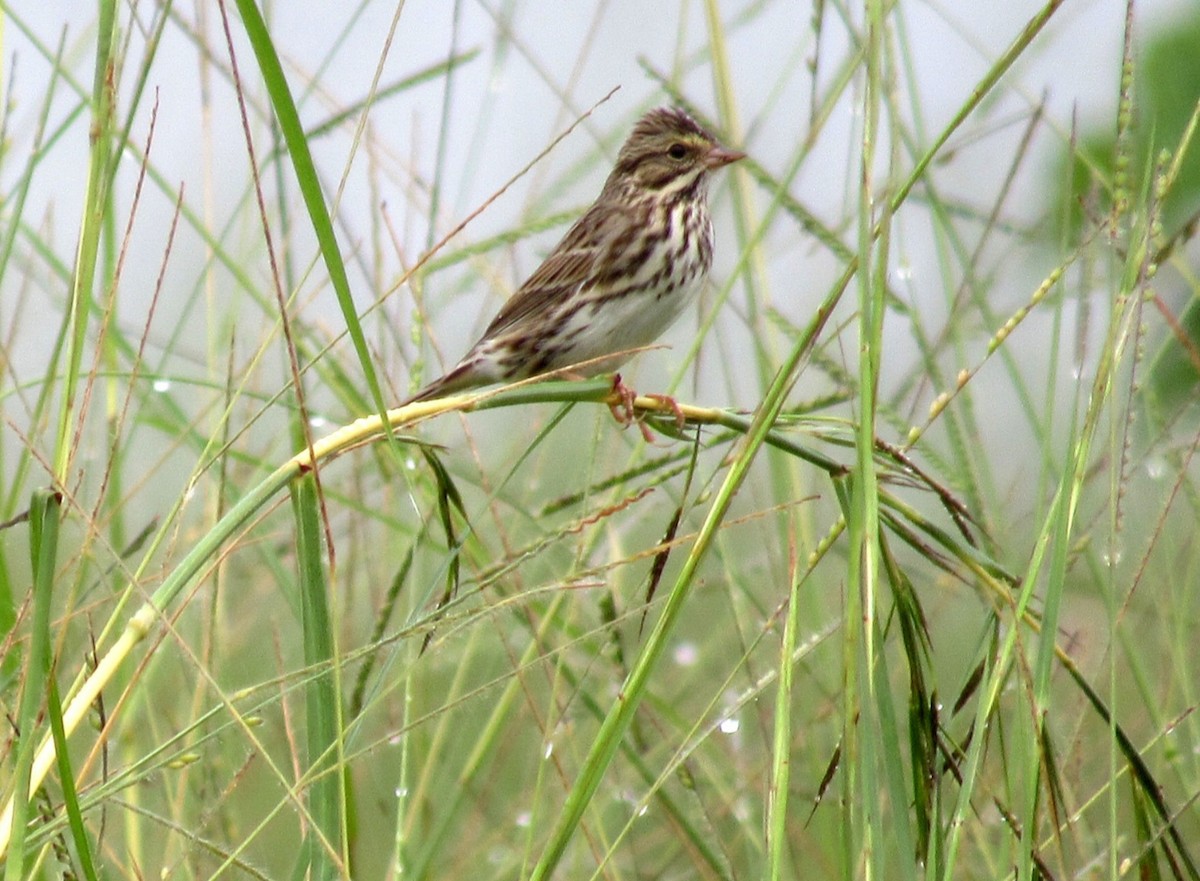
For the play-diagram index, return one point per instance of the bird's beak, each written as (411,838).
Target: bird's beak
(718,157)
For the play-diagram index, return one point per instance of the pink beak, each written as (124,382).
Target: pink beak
(718,157)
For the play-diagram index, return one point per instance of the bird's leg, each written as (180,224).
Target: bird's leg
(622,408)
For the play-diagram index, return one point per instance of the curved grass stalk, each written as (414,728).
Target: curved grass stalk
(197,561)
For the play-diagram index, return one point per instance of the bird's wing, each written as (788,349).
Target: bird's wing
(573,264)
(559,275)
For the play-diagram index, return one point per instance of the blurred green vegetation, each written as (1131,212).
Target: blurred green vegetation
(1166,92)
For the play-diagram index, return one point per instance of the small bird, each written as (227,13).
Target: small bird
(623,273)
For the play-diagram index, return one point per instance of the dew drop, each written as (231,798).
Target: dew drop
(730,725)
(686,654)
(161,385)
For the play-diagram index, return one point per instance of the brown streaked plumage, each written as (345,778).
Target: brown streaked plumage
(623,272)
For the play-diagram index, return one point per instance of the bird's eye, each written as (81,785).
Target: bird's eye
(677,151)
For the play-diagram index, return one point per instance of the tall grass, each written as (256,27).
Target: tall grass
(910,594)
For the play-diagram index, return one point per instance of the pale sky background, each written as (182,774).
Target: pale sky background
(539,65)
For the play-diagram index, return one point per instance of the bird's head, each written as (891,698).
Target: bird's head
(668,151)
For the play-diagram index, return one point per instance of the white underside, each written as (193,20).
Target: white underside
(618,328)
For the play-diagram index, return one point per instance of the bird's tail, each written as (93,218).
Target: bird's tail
(460,378)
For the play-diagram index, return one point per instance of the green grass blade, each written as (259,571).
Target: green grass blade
(44,515)
(324,847)
(95,209)
(310,186)
(781,747)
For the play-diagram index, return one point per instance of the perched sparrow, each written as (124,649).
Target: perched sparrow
(620,276)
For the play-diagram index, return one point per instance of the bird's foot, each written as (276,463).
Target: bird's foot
(624,412)
(672,405)
(622,408)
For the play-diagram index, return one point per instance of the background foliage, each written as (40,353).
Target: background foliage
(912,594)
